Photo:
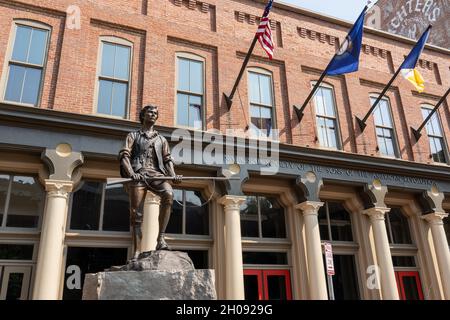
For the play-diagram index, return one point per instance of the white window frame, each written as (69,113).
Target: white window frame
(395,144)
(336,117)
(444,141)
(197,58)
(261,71)
(8,60)
(121,42)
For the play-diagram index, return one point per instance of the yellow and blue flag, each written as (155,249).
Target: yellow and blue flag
(408,67)
(346,60)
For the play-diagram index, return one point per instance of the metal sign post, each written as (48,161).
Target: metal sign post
(330,268)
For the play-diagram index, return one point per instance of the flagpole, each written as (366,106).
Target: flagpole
(362,123)
(416,132)
(229,99)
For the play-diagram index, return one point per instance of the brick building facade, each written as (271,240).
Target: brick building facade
(62,132)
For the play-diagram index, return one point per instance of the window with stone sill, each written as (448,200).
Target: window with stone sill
(262,217)
(326,119)
(114,77)
(190,91)
(436,139)
(21,201)
(26,62)
(386,137)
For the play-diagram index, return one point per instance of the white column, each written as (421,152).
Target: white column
(234,271)
(441,246)
(316,271)
(389,289)
(50,256)
(150,223)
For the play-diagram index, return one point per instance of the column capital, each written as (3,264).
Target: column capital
(435,218)
(58,188)
(152,198)
(309,207)
(376,213)
(232,202)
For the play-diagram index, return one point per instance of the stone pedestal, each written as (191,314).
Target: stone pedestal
(156,275)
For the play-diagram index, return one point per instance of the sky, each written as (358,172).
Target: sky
(343,9)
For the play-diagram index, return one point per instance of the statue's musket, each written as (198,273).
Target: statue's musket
(113,181)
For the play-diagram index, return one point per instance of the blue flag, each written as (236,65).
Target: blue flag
(411,60)
(346,59)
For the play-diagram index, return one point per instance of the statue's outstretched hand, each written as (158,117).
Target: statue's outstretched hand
(177,179)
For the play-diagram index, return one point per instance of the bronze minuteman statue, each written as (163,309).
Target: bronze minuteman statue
(144,157)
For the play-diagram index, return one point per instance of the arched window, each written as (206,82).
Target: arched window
(190,90)
(27,57)
(262,110)
(326,119)
(438,148)
(384,127)
(114,77)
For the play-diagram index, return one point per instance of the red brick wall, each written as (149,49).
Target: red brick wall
(220,32)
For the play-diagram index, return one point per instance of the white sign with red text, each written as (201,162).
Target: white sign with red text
(329,259)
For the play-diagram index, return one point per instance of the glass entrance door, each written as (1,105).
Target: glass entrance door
(15,282)
(409,287)
(267,284)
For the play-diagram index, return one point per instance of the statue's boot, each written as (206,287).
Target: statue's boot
(162,244)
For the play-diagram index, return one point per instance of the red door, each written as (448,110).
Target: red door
(408,284)
(267,284)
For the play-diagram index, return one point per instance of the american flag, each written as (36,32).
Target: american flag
(264,33)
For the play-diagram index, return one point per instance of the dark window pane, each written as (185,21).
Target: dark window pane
(341,227)
(199,258)
(119,99)
(197,216)
(249,217)
(403,261)
(116,209)
(14,87)
(104,97)
(399,226)
(323,223)
(122,60)
(4,184)
(410,287)
(272,218)
(22,43)
(31,86)
(16,251)
(251,287)
(264,258)
(276,287)
(108,56)
(38,47)
(91,260)
(345,280)
(14,286)
(86,206)
(176,218)
(447,229)
(26,203)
